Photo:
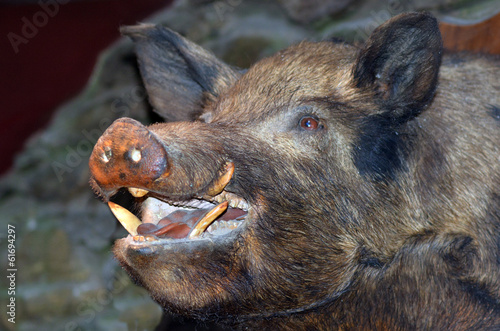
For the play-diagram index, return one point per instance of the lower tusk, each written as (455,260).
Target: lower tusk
(137,192)
(208,219)
(128,220)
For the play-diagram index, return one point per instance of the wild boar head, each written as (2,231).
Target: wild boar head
(269,189)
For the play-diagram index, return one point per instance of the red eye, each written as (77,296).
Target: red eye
(309,123)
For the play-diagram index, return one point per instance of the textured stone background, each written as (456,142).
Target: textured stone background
(67,278)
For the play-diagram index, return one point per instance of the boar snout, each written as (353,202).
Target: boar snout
(127,155)
(157,167)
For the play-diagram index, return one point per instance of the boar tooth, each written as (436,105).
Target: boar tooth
(213,227)
(220,197)
(137,192)
(217,199)
(204,205)
(208,219)
(222,181)
(243,205)
(128,220)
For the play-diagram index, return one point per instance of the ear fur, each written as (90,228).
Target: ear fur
(178,74)
(401,61)
(400,64)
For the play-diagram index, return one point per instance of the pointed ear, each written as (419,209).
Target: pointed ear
(179,75)
(400,62)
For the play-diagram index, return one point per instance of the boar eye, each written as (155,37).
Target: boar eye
(310,123)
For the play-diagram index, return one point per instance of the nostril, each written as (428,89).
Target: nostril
(135,155)
(104,157)
(107,154)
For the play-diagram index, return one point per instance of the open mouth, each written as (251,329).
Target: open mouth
(128,155)
(192,219)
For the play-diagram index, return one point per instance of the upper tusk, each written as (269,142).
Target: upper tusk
(222,181)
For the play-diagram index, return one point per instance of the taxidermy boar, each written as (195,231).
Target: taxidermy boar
(326,187)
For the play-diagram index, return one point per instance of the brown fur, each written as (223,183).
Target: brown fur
(388,217)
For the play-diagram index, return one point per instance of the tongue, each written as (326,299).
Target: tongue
(180,223)
(172,230)
(176,225)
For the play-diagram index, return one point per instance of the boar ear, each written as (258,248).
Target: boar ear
(400,61)
(179,75)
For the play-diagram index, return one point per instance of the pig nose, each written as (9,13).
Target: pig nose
(127,155)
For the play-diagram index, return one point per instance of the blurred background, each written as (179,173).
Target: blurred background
(65,75)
